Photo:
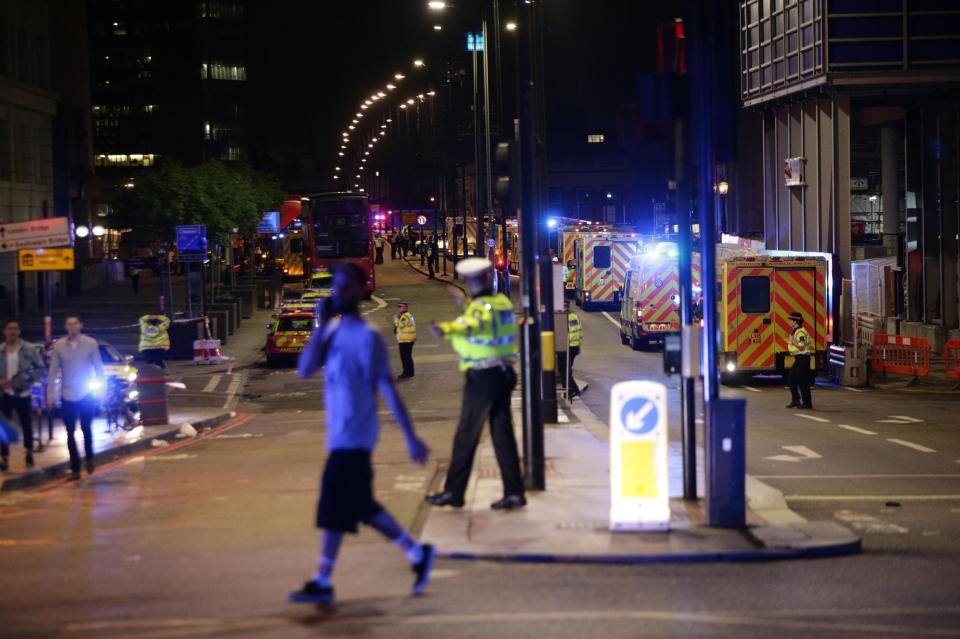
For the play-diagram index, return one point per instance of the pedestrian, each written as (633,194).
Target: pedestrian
(575,341)
(799,375)
(154,338)
(356,367)
(378,246)
(135,278)
(19,370)
(405,327)
(432,250)
(485,339)
(76,359)
(393,244)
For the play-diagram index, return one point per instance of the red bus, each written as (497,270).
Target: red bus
(339,229)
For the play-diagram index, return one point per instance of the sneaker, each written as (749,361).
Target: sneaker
(423,567)
(509,502)
(90,466)
(29,459)
(312,592)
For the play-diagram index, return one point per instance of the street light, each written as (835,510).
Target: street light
(436,5)
(438,27)
(98,230)
(723,187)
(81,231)
(510,26)
(418,63)
(398,76)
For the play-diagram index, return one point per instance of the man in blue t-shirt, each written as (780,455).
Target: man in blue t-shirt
(356,367)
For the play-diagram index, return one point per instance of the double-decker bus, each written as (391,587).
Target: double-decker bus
(339,229)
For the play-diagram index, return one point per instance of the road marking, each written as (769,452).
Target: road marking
(866,476)
(852,389)
(862,431)
(803,452)
(380,305)
(906,418)
(868,523)
(615,322)
(922,449)
(872,497)
(232,389)
(212,384)
(751,389)
(812,418)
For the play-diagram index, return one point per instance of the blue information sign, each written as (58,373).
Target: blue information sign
(270,223)
(192,238)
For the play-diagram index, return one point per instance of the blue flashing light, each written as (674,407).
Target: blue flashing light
(551,223)
(280,236)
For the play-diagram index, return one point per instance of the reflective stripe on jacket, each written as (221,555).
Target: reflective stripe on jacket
(799,343)
(574,330)
(485,335)
(154,336)
(405,327)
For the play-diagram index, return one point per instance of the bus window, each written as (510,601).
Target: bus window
(601,257)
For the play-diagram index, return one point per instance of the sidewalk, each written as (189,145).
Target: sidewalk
(569,521)
(54,460)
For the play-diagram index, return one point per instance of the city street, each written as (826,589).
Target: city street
(206,538)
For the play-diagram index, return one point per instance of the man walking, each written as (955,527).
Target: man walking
(76,358)
(378,246)
(392,238)
(135,278)
(20,367)
(355,358)
(154,338)
(799,376)
(405,327)
(485,338)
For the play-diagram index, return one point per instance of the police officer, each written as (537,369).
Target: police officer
(405,327)
(154,338)
(799,376)
(575,338)
(485,338)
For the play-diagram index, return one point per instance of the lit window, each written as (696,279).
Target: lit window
(232,153)
(125,159)
(595,138)
(149,108)
(216,70)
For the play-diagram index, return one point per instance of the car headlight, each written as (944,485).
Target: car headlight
(95,385)
(731,366)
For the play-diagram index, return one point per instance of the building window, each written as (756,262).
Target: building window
(232,153)
(595,138)
(223,71)
(118,28)
(221,10)
(149,108)
(125,159)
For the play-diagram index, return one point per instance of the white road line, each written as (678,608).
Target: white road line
(872,497)
(862,431)
(751,389)
(892,421)
(852,389)
(212,384)
(380,305)
(232,389)
(922,449)
(906,418)
(613,321)
(867,476)
(812,418)
(804,451)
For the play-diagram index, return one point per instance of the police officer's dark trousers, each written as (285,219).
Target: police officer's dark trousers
(486,393)
(799,380)
(406,358)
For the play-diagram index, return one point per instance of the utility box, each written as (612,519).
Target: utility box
(726,466)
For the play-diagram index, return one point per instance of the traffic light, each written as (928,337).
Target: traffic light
(508,177)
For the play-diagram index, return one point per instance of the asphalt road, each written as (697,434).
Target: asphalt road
(205,540)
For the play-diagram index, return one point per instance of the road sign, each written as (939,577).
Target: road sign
(192,238)
(50,231)
(421,219)
(270,223)
(639,495)
(46,259)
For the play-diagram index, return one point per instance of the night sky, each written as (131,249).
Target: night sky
(311,63)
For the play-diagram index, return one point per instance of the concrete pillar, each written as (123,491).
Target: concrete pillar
(889,191)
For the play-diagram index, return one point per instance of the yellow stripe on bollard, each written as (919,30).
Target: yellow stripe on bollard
(546,345)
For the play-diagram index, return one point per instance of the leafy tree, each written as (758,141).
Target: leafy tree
(223,197)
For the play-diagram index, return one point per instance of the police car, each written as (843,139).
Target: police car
(288,334)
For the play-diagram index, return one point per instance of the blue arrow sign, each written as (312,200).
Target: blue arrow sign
(639,415)
(192,238)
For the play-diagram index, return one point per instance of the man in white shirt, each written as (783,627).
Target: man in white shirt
(356,365)
(20,367)
(76,358)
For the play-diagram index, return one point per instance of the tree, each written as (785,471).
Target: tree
(223,197)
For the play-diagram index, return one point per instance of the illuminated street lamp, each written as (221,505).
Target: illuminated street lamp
(399,76)
(436,5)
(98,230)
(510,26)
(418,63)
(81,231)
(723,187)
(438,27)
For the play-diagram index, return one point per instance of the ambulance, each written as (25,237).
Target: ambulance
(650,304)
(602,260)
(288,335)
(758,294)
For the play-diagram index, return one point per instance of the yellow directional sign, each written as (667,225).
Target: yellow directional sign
(46,259)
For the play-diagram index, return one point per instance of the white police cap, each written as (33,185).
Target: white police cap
(473,267)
